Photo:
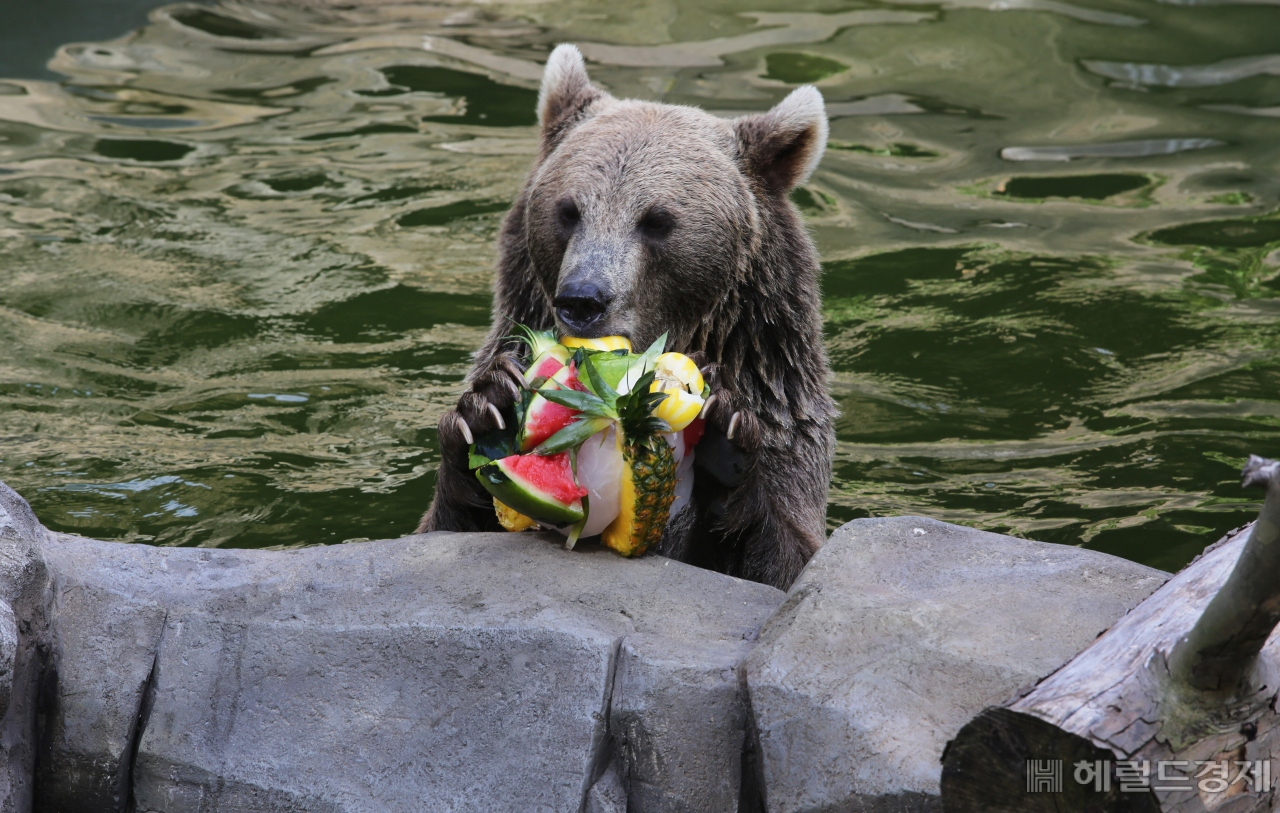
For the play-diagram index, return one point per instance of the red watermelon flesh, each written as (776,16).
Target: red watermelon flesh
(543,419)
(540,487)
(545,367)
(693,432)
(542,368)
(550,474)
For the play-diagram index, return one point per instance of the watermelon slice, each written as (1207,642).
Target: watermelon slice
(547,365)
(542,419)
(541,487)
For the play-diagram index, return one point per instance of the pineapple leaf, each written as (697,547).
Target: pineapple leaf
(651,400)
(596,383)
(581,401)
(635,410)
(613,367)
(650,357)
(573,435)
(645,362)
(538,341)
(641,389)
(576,530)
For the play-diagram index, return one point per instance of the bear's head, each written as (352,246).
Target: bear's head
(643,217)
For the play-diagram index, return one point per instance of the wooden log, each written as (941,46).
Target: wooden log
(1172,709)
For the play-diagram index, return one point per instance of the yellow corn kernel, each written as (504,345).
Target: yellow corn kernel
(603,343)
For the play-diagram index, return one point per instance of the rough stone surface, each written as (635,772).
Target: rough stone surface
(459,672)
(678,716)
(477,671)
(104,643)
(897,633)
(23,646)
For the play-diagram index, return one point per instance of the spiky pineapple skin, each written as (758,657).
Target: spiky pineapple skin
(646,496)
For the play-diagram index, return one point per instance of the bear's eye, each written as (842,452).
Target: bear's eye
(656,225)
(567,215)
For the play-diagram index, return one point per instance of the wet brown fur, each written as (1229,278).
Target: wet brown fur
(735,283)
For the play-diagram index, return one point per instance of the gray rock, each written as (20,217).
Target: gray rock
(460,672)
(679,713)
(448,671)
(897,633)
(105,644)
(24,638)
(607,795)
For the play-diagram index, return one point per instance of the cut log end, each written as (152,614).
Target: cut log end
(1004,761)
(1186,683)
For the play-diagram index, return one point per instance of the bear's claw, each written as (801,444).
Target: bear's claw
(497,416)
(514,369)
(707,404)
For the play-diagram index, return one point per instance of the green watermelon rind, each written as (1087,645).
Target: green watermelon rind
(529,501)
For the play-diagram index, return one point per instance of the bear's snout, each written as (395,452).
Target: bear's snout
(580,305)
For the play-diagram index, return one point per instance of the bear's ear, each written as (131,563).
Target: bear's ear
(566,93)
(782,147)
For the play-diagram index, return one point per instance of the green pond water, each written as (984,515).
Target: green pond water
(246,247)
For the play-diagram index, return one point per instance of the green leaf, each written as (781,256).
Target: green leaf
(650,401)
(650,356)
(646,381)
(596,383)
(521,407)
(573,435)
(581,401)
(576,530)
(646,361)
(612,367)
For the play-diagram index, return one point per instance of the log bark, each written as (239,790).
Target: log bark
(1172,709)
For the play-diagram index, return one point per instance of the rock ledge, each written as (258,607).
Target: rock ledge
(480,672)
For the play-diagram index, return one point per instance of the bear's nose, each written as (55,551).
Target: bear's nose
(581,306)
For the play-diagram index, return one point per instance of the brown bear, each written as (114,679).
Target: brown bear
(640,218)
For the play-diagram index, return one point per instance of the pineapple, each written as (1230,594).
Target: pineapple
(648,489)
(649,473)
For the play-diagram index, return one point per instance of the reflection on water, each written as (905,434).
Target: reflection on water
(247,250)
